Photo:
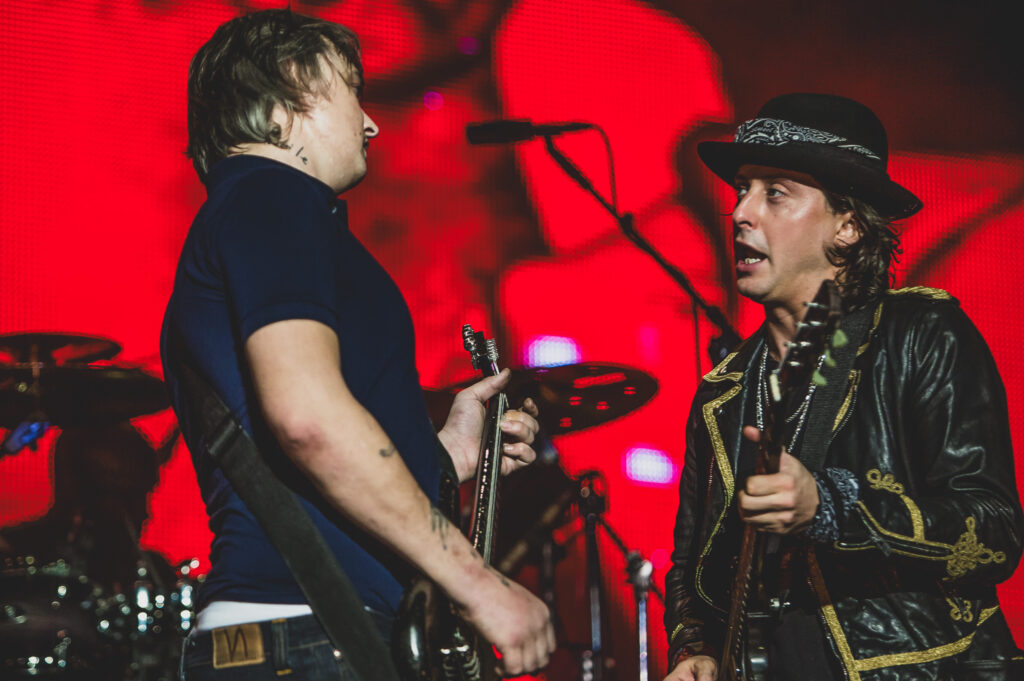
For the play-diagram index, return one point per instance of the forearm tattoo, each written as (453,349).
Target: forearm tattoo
(440,525)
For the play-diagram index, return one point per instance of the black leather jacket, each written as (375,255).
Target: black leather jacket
(908,590)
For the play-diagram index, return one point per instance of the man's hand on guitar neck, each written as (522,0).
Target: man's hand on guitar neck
(783,502)
(461,433)
(696,668)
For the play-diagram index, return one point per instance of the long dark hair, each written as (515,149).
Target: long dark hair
(866,266)
(252,64)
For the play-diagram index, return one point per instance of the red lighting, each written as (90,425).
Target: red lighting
(603,379)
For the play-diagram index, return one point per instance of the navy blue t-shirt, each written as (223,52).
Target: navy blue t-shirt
(272,243)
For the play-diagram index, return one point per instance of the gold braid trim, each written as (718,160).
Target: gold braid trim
(828,611)
(728,482)
(887,482)
(854,666)
(896,535)
(968,552)
(845,406)
(958,614)
(927,291)
(871,332)
(928,655)
(716,375)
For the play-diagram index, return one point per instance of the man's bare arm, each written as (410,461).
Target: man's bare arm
(335,441)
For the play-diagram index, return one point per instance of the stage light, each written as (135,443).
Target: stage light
(648,466)
(551,351)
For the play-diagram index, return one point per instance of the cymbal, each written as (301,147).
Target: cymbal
(577,396)
(76,396)
(570,397)
(54,348)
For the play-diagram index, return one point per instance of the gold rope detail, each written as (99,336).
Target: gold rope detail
(933,293)
(928,655)
(886,482)
(968,552)
(958,614)
(716,375)
(728,482)
(828,611)
(854,380)
(896,535)
(871,332)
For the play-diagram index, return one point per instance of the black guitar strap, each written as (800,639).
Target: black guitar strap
(290,529)
(824,407)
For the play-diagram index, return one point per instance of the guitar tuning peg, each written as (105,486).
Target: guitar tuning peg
(839,339)
(492,350)
(817,379)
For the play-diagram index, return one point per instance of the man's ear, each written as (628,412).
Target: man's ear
(281,119)
(847,230)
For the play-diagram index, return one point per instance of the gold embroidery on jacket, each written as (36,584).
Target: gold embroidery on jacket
(845,406)
(968,553)
(896,535)
(716,375)
(960,612)
(886,482)
(854,666)
(871,332)
(831,619)
(889,484)
(728,482)
(928,655)
(927,291)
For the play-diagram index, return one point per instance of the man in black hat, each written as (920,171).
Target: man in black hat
(886,534)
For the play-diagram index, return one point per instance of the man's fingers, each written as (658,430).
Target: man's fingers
(487,388)
(520,426)
(530,407)
(520,451)
(752,433)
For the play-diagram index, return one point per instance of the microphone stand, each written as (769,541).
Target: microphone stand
(721,345)
(592,505)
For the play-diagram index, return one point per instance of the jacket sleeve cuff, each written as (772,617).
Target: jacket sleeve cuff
(837,493)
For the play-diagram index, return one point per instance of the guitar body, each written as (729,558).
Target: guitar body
(750,619)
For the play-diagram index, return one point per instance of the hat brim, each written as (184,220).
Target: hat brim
(838,170)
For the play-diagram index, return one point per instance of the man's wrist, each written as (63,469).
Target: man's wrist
(464,469)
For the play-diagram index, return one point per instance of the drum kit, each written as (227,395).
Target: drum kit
(60,614)
(59,620)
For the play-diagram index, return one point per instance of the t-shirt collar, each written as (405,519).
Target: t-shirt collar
(240,164)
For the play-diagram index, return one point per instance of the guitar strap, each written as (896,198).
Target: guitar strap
(327,588)
(824,407)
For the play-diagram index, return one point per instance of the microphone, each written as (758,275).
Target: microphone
(518,130)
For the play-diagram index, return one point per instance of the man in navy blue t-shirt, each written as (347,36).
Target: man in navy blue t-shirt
(310,343)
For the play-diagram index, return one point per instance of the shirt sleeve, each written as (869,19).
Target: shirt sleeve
(277,248)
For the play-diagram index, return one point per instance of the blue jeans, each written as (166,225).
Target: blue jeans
(296,647)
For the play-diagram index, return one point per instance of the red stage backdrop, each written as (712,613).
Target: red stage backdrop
(97,197)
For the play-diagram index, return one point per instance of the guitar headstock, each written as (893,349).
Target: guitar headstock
(816,333)
(483,353)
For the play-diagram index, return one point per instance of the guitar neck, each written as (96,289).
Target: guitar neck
(488,471)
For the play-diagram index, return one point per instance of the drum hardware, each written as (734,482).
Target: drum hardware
(77,395)
(54,620)
(55,349)
(592,502)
